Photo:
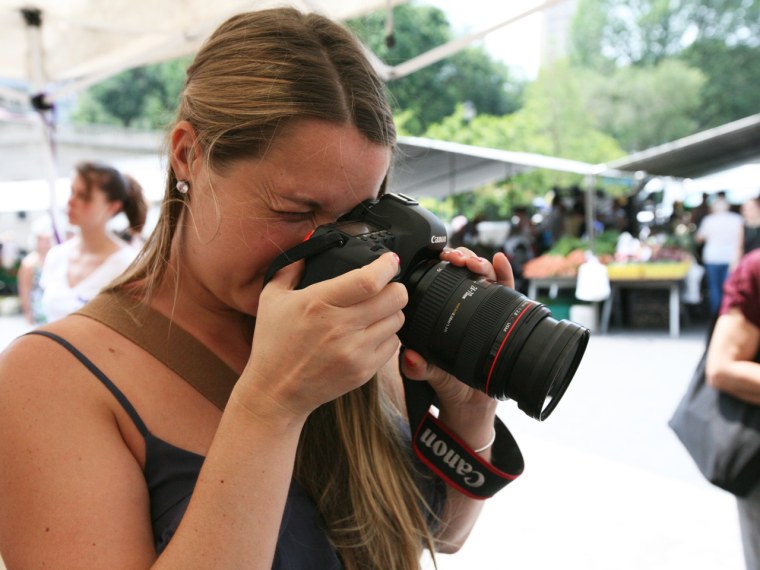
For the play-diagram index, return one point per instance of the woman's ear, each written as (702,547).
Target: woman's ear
(115,207)
(183,150)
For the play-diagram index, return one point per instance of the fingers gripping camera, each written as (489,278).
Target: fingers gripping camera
(487,335)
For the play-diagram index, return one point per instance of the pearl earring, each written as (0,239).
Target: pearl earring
(183,186)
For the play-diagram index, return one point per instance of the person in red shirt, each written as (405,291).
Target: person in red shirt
(731,367)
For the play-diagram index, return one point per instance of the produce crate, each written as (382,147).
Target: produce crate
(666,270)
(646,308)
(651,270)
(560,305)
(625,270)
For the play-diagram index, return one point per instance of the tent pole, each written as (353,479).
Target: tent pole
(50,156)
(443,51)
(45,110)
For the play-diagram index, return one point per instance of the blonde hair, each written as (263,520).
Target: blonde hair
(258,71)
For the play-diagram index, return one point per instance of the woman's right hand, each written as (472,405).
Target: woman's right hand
(312,345)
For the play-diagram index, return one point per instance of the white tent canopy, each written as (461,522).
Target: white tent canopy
(61,46)
(435,168)
(57,47)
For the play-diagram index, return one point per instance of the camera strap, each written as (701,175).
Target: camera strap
(443,452)
(307,248)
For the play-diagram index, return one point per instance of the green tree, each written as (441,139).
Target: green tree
(732,80)
(648,98)
(430,94)
(645,107)
(555,121)
(645,32)
(143,97)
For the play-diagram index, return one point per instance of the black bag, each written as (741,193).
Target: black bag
(721,433)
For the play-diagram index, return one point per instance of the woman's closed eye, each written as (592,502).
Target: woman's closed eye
(294,216)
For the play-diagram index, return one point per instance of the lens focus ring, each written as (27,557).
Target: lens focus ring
(443,284)
(484,328)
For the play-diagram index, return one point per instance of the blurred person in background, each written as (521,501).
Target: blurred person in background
(702,210)
(732,367)
(30,270)
(554,223)
(749,238)
(77,269)
(719,233)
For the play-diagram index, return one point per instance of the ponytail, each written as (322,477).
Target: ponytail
(134,205)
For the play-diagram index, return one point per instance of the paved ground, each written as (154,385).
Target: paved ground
(607,485)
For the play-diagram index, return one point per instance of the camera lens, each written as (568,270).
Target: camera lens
(491,337)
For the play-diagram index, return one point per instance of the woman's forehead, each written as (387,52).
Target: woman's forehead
(314,161)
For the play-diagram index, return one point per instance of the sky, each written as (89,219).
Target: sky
(517,44)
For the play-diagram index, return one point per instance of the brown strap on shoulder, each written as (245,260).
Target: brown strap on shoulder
(167,342)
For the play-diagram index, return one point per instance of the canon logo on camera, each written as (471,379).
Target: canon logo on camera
(438,239)
(468,475)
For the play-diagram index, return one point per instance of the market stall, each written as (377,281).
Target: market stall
(634,269)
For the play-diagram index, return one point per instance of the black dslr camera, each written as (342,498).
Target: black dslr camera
(487,335)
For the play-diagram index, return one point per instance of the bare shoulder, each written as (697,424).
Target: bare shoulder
(66,468)
(33,366)
(45,386)
(28,367)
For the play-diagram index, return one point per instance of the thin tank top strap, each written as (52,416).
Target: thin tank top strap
(125,403)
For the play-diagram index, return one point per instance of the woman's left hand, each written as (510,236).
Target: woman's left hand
(457,399)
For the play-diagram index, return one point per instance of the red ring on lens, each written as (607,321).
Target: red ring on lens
(503,342)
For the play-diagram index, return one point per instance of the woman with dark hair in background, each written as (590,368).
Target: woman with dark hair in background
(77,269)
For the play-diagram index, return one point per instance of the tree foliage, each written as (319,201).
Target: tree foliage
(720,38)
(645,32)
(143,97)
(555,121)
(732,80)
(428,95)
(646,107)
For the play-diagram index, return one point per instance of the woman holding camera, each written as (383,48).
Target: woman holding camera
(112,460)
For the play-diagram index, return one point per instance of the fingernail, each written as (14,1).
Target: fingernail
(398,265)
(408,360)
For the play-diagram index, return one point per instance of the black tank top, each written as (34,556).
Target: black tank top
(171,472)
